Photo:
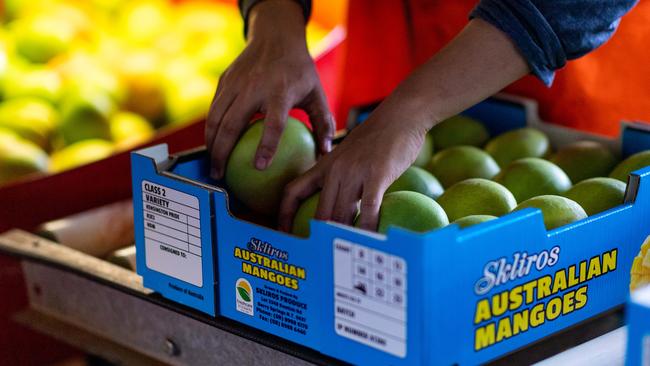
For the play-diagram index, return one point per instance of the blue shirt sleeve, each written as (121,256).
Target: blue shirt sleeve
(550,32)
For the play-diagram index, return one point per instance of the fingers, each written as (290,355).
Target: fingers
(321,119)
(296,192)
(345,208)
(370,206)
(223,99)
(274,122)
(230,128)
(327,197)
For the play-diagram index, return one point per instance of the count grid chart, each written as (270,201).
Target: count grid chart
(370,296)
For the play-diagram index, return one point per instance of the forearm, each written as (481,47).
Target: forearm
(277,20)
(478,62)
(246,7)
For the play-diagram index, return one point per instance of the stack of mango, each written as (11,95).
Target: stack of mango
(81,79)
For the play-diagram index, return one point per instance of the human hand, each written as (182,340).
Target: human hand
(273,74)
(362,167)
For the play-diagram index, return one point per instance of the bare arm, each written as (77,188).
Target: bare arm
(479,62)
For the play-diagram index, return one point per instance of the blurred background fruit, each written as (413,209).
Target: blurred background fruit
(111,70)
(80,153)
(19,157)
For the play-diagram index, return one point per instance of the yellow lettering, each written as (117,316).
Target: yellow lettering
(484,337)
(482,311)
(559,283)
(520,322)
(537,315)
(567,303)
(609,261)
(573,280)
(505,329)
(543,287)
(581,297)
(528,288)
(554,308)
(594,268)
(246,268)
(499,303)
(515,298)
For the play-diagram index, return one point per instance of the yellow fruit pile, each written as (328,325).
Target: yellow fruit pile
(80,79)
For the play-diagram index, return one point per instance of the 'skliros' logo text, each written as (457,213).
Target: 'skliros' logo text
(500,271)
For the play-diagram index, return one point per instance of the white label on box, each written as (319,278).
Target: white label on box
(370,297)
(172,233)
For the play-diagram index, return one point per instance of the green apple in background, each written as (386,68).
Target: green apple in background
(19,157)
(40,38)
(632,163)
(518,144)
(558,211)
(458,163)
(80,153)
(129,129)
(597,194)
(530,177)
(472,220)
(412,211)
(459,130)
(417,180)
(305,213)
(261,190)
(426,152)
(85,115)
(476,196)
(30,118)
(585,159)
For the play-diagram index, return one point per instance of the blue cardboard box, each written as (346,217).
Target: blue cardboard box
(449,296)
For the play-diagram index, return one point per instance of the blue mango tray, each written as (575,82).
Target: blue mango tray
(449,296)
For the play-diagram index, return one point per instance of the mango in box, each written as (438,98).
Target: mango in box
(305,213)
(426,152)
(462,162)
(261,190)
(557,211)
(530,177)
(597,194)
(476,196)
(632,163)
(459,130)
(585,159)
(517,144)
(472,220)
(412,211)
(416,179)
